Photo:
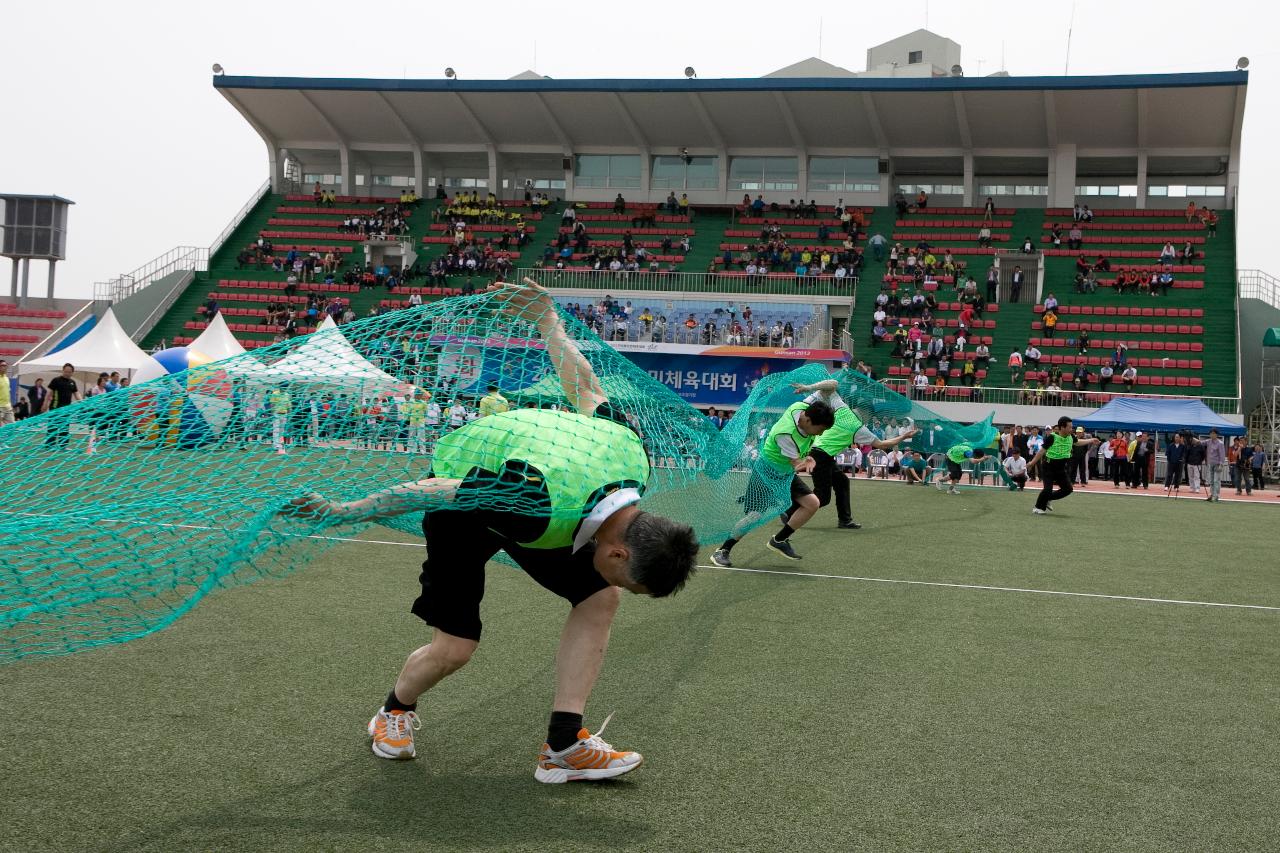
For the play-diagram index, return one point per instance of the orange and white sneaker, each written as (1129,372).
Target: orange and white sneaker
(392,733)
(590,758)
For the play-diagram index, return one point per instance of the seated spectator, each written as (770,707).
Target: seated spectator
(922,200)
(1130,377)
(1016,467)
(1031,357)
(1080,378)
(1188,253)
(982,356)
(619,204)
(1055,236)
(1050,323)
(1103,264)
(1167,254)
(1191,212)
(1050,303)
(1086,215)
(984,236)
(1082,342)
(1028,248)
(210,309)
(1104,376)
(915,469)
(1075,237)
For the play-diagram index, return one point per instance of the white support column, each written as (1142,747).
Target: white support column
(968,179)
(802,174)
(274,158)
(1142,180)
(495,169)
(52,267)
(344,164)
(1062,168)
(13,279)
(722,174)
(646,176)
(419,174)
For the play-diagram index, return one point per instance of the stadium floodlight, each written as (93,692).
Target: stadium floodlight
(1242,63)
(689,72)
(217,69)
(451,74)
(957,71)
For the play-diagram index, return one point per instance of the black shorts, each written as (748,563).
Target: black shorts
(460,543)
(759,497)
(954,469)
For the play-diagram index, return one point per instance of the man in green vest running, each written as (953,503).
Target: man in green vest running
(1057,449)
(785,452)
(556,490)
(846,431)
(956,457)
(280,404)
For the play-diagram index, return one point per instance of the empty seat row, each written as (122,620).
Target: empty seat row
(1127,226)
(953,223)
(1133,241)
(622,217)
(1126,328)
(305,235)
(1123,311)
(318,287)
(1112,343)
(1164,213)
(8,309)
(965,211)
(934,235)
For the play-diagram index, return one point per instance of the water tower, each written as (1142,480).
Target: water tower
(32,227)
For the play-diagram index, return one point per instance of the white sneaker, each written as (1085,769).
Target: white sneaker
(588,759)
(1035,510)
(392,733)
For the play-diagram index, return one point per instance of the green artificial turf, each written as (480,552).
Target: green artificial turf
(775,711)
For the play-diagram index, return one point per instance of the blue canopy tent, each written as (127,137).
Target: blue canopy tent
(1156,415)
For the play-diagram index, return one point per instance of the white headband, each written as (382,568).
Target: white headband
(605,508)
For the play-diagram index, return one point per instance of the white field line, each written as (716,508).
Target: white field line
(816,575)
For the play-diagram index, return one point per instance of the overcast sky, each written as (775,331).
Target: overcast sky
(111,104)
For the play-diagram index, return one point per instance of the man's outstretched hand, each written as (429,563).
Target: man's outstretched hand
(311,507)
(528,300)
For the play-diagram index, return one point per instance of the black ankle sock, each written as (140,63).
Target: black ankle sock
(728,545)
(784,534)
(393,703)
(562,731)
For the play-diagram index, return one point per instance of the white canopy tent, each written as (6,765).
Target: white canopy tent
(326,357)
(106,348)
(216,341)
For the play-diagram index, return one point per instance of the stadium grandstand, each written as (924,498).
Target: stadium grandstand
(814,194)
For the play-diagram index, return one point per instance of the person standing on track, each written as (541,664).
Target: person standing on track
(1056,453)
(847,429)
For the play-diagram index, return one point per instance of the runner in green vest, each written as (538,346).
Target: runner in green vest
(956,457)
(1057,451)
(556,490)
(846,431)
(785,452)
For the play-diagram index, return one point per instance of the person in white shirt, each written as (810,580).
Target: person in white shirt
(457,414)
(921,384)
(1016,467)
(415,299)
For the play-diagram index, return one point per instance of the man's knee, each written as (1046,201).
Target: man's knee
(452,652)
(810,502)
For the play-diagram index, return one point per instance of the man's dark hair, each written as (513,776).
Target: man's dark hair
(1063,421)
(664,553)
(68,364)
(820,414)
(979,453)
(493,389)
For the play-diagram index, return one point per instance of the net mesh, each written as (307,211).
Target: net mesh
(148,498)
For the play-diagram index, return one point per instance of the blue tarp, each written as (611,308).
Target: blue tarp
(1132,413)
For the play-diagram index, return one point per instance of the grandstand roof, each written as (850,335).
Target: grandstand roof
(1187,113)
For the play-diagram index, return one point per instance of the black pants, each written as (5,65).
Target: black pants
(1080,469)
(1139,473)
(828,478)
(1056,473)
(1119,470)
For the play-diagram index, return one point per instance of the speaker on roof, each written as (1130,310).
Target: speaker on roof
(566,163)
(883,167)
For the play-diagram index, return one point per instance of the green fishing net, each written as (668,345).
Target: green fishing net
(143,500)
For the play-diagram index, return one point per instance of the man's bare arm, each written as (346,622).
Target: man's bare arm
(398,500)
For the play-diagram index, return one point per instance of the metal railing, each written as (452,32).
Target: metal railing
(1256,284)
(1067,397)
(695,284)
(239,217)
(181,258)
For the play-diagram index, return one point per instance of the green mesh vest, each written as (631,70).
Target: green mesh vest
(578,455)
(1061,447)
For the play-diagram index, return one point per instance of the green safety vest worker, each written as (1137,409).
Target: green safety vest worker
(787,432)
(579,457)
(837,437)
(417,412)
(1061,447)
(279,402)
(959,453)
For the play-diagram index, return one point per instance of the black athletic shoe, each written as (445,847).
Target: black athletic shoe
(721,558)
(784,548)
(849,525)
